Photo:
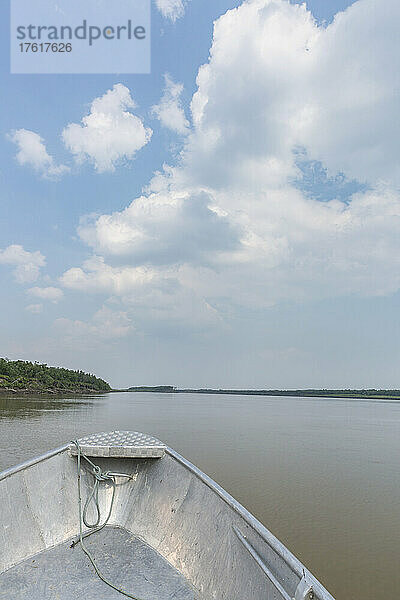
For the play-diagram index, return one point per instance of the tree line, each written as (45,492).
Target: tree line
(34,376)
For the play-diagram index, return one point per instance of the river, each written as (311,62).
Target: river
(322,474)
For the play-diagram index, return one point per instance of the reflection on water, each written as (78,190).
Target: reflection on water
(322,474)
(24,407)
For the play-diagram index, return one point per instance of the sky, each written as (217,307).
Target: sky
(229,220)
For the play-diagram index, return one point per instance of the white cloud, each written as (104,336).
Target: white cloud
(105,325)
(292,83)
(47,293)
(110,133)
(27,264)
(355,83)
(254,239)
(171,9)
(152,297)
(298,249)
(35,309)
(98,277)
(169,111)
(169,228)
(32,152)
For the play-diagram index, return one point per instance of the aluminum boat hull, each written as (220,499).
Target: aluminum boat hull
(213,547)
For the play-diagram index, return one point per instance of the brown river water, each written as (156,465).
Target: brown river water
(322,474)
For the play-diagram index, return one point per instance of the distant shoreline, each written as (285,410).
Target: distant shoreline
(309,393)
(339,394)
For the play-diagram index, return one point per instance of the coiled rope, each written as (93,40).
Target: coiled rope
(99,476)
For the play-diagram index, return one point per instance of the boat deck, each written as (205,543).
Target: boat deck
(65,573)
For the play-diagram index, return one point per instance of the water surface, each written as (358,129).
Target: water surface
(323,475)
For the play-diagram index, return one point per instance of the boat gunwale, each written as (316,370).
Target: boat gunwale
(32,461)
(294,563)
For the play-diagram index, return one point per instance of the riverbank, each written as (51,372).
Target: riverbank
(34,391)
(24,377)
(370,394)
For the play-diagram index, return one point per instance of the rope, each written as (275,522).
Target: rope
(99,477)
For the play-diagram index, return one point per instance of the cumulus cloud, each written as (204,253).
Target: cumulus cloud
(32,152)
(151,297)
(171,9)
(354,128)
(228,226)
(169,111)
(47,293)
(163,229)
(293,83)
(98,277)
(105,325)
(298,249)
(110,133)
(27,264)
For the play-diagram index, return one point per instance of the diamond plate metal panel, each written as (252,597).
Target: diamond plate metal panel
(120,444)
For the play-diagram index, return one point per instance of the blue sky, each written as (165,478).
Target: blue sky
(251,240)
